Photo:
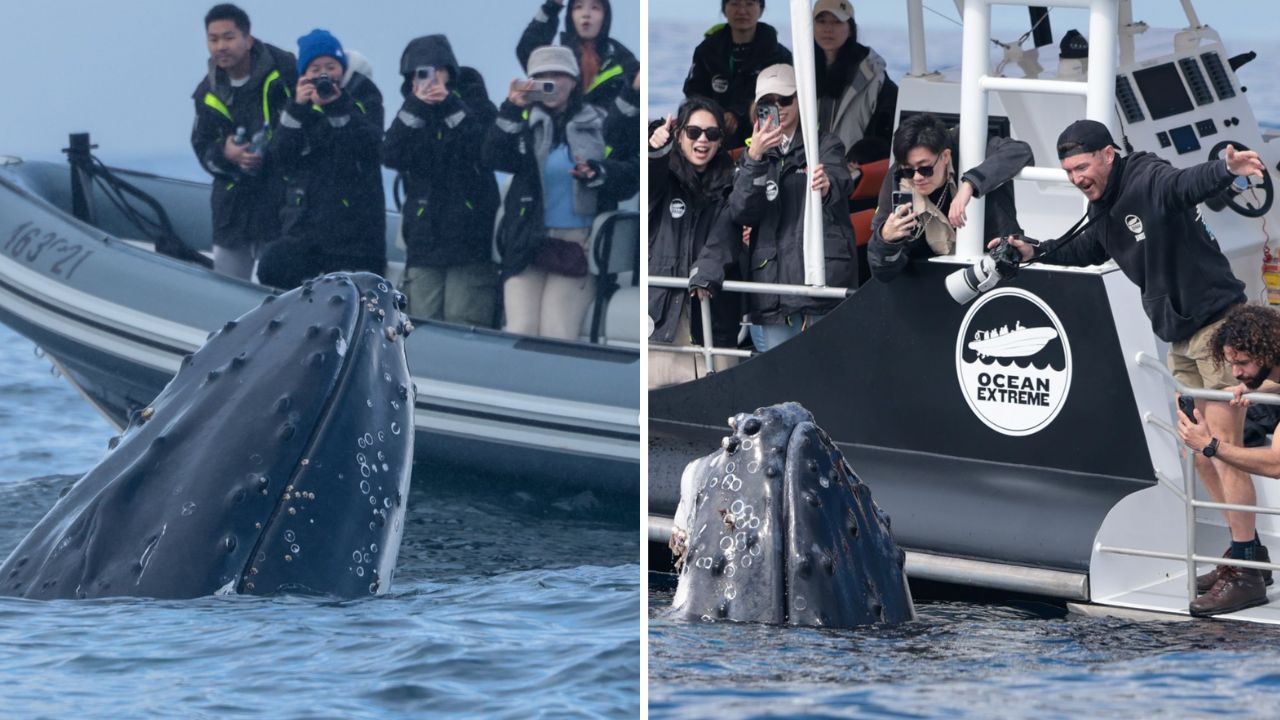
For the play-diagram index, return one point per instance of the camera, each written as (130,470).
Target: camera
(425,74)
(1000,263)
(324,86)
(767,116)
(900,198)
(541,88)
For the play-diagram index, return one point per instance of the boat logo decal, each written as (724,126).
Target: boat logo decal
(770,191)
(720,84)
(1134,223)
(1013,361)
(677,208)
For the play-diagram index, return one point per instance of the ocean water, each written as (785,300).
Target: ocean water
(506,603)
(993,657)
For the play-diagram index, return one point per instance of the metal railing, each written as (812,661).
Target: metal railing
(708,350)
(1187,493)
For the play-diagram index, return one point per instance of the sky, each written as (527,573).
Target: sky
(125,71)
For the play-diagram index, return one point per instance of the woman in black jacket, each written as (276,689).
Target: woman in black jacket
(606,66)
(553,144)
(327,147)
(451,198)
(690,175)
(769,194)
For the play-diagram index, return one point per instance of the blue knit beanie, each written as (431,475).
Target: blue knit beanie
(317,43)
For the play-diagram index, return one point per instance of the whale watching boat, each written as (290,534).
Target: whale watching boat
(1064,478)
(116,316)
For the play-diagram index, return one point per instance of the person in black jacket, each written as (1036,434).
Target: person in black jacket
(856,99)
(727,61)
(450,197)
(328,148)
(1143,214)
(690,176)
(927,166)
(769,192)
(553,144)
(238,106)
(606,66)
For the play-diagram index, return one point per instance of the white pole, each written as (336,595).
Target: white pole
(1126,32)
(1192,19)
(1100,99)
(815,268)
(975,62)
(915,29)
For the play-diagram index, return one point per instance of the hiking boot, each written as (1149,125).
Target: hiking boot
(1206,581)
(1236,589)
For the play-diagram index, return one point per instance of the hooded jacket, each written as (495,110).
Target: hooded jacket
(330,158)
(769,196)
(691,235)
(866,103)
(245,207)
(1149,223)
(518,143)
(451,198)
(715,75)
(1005,159)
(618,65)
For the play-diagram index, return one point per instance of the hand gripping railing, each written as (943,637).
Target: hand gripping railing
(708,350)
(1188,492)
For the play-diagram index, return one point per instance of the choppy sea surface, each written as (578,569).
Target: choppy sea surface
(506,603)
(959,659)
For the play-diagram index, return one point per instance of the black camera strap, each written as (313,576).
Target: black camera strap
(1076,231)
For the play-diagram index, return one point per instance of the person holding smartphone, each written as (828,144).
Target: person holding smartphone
(451,197)
(769,194)
(553,144)
(328,147)
(924,199)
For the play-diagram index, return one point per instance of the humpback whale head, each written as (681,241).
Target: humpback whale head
(774,527)
(276,460)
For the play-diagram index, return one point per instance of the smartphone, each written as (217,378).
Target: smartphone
(900,198)
(423,75)
(1188,407)
(767,116)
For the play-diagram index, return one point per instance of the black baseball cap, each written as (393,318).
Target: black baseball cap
(1084,136)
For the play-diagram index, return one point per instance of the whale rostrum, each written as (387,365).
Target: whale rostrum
(276,460)
(776,528)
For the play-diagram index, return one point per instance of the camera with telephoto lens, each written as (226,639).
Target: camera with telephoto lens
(324,86)
(1000,263)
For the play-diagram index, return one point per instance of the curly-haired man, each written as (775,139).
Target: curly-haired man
(1248,343)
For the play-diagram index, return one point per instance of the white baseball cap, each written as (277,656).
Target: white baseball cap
(840,8)
(777,79)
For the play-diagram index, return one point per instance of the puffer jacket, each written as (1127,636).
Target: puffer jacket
(451,197)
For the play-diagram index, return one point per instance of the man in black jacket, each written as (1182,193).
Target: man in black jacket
(1144,215)
(450,197)
(727,61)
(238,106)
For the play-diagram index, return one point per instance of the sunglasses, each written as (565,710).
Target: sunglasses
(693,132)
(778,100)
(926,171)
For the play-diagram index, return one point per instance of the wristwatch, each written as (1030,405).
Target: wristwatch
(1211,449)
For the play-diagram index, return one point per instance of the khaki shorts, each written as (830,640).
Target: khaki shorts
(1191,362)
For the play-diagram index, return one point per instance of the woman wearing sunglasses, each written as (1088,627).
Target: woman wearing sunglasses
(769,194)
(927,168)
(690,235)
(856,98)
